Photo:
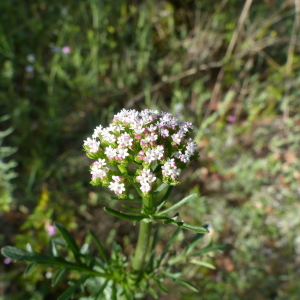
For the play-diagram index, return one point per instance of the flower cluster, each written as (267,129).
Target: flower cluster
(156,142)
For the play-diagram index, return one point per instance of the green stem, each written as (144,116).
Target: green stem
(142,244)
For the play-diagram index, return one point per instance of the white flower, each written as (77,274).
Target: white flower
(191,148)
(109,137)
(110,152)
(176,137)
(124,140)
(122,152)
(183,157)
(159,151)
(92,144)
(145,188)
(152,128)
(169,169)
(117,186)
(97,131)
(164,132)
(99,169)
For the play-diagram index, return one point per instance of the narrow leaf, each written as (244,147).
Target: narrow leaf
(84,249)
(69,240)
(131,207)
(188,284)
(197,238)
(161,188)
(211,248)
(178,204)
(152,292)
(29,268)
(53,249)
(166,249)
(95,297)
(202,263)
(197,229)
(99,245)
(160,286)
(137,213)
(60,243)
(124,216)
(127,199)
(23,255)
(56,278)
(70,291)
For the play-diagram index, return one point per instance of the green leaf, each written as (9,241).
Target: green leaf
(160,202)
(69,240)
(84,249)
(197,229)
(99,245)
(178,204)
(95,297)
(170,243)
(152,292)
(160,286)
(197,238)
(53,249)
(56,278)
(131,207)
(174,276)
(211,248)
(137,213)
(124,216)
(70,291)
(60,243)
(127,199)
(29,268)
(23,255)
(188,284)
(202,263)
(161,188)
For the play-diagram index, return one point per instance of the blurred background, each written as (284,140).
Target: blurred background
(230,67)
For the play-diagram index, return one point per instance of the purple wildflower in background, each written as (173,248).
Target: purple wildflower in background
(66,49)
(231,118)
(7,261)
(51,229)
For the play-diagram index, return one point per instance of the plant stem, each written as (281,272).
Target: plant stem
(142,244)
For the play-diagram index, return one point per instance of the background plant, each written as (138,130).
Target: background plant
(167,56)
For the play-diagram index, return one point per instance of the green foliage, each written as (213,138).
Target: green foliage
(6,170)
(114,270)
(164,55)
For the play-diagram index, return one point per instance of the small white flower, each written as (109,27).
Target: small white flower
(177,138)
(152,128)
(122,152)
(191,148)
(117,186)
(124,140)
(164,132)
(97,131)
(110,152)
(92,144)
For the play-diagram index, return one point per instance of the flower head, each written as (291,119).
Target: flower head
(155,142)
